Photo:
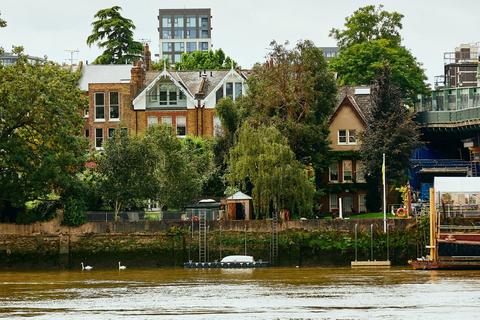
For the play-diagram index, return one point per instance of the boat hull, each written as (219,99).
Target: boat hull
(225,265)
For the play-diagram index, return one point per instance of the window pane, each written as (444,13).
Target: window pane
(181,126)
(219,94)
(167,120)
(204,34)
(167,47)
(342,136)
(114,106)
(178,21)
(191,33)
(362,203)
(87,133)
(238,89)
(111,132)
(191,21)
(191,46)
(347,204)
(99,105)
(172,96)
(166,34)
(177,58)
(179,46)
(334,172)
(178,34)
(152,120)
(204,46)
(163,96)
(333,201)
(98,137)
(352,136)
(166,22)
(347,170)
(204,22)
(229,89)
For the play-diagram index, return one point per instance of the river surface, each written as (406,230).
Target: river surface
(270,293)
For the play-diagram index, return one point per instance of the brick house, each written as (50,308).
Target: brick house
(345,178)
(131,98)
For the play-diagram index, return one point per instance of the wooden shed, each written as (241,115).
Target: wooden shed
(239,206)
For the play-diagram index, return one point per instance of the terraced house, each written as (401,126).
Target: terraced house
(345,179)
(132,98)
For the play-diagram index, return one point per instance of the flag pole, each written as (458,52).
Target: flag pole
(384,197)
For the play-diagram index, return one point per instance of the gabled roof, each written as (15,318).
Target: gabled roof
(104,73)
(357,97)
(239,196)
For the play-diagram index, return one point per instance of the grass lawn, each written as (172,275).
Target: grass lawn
(372,215)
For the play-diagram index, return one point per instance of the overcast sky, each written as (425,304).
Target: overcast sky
(242,28)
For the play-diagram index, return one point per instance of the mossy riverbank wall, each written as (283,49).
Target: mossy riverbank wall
(162,244)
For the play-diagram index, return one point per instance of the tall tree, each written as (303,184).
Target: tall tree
(296,93)
(390,129)
(41,145)
(261,157)
(127,172)
(369,23)
(370,39)
(3,23)
(205,60)
(114,34)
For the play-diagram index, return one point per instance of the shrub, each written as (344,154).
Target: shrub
(74,212)
(41,211)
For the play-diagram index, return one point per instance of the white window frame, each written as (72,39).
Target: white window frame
(184,120)
(96,137)
(330,172)
(344,162)
(169,123)
(362,206)
(348,133)
(152,121)
(346,137)
(95,106)
(110,105)
(332,206)
(113,132)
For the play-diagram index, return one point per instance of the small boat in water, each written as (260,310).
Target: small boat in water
(234,261)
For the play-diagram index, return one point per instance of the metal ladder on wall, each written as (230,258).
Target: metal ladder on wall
(202,236)
(274,240)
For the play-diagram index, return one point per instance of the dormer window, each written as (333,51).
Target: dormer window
(347,137)
(166,94)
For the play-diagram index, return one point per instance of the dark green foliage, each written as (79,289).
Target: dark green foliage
(370,39)
(40,131)
(205,60)
(369,23)
(42,211)
(390,129)
(3,23)
(74,213)
(114,34)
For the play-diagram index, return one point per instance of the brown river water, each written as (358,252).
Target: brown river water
(270,293)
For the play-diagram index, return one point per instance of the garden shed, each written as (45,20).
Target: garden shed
(239,206)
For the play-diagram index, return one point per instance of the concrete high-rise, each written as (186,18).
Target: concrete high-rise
(184,30)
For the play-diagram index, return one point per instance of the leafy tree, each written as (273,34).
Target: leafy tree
(178,179)
(370,39)
(296,93)
(390,129)
(41,145)
(74,212)
(261,157)
(369,23)
(114,34)
(205,60)
(3,23)
(127,172)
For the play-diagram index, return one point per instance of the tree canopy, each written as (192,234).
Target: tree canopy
(390,129)
(296,93)
(41,143)
(114,34)
(3,23)
(370,40)
(205,60)
(261,157)
(369,23)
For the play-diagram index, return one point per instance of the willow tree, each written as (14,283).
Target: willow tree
(114,34)
(261,157)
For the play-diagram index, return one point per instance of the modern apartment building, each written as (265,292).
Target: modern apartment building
(184,30)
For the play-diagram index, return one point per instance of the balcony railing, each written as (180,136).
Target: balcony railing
(439,117)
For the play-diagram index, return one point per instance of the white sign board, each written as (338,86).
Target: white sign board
(457,184)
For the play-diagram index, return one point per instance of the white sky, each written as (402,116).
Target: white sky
(242,28)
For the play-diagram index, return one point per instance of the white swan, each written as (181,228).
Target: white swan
(120,267)
(88,268)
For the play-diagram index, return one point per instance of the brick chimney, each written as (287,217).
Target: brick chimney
(137,78)
(147,57)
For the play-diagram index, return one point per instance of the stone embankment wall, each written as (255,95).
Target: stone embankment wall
(165,244)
